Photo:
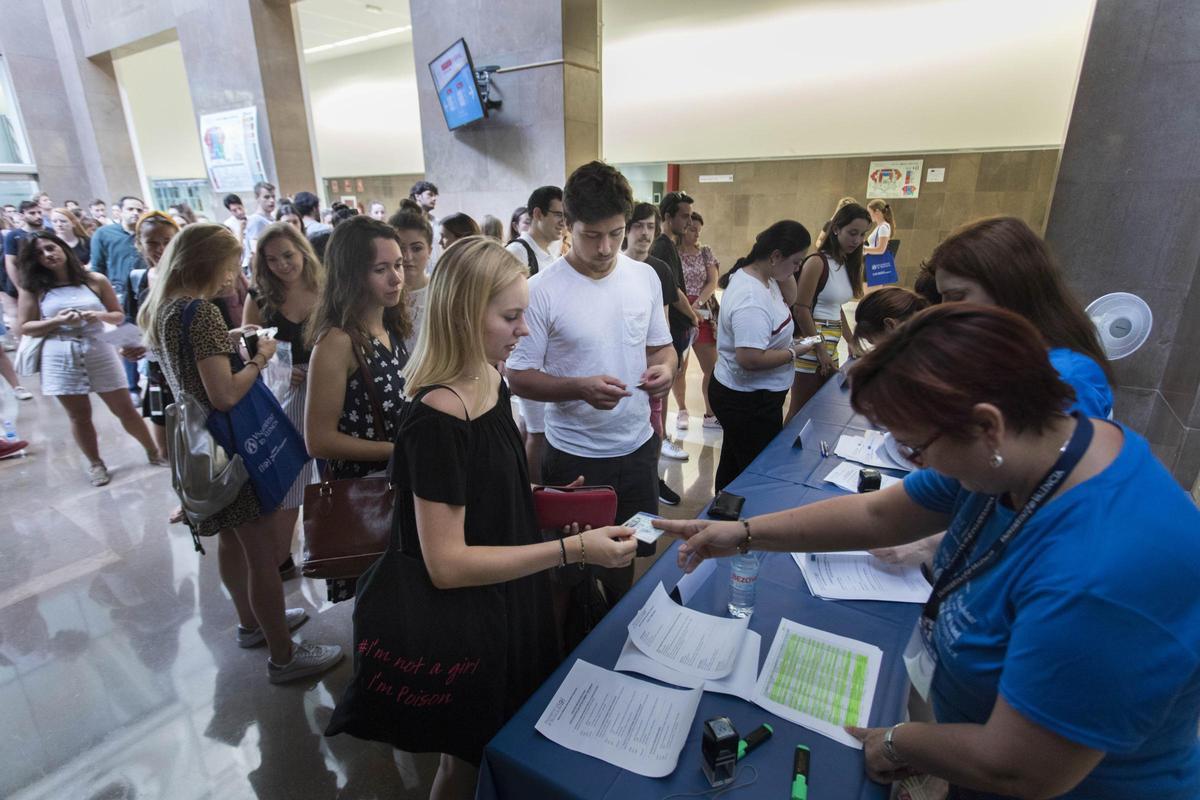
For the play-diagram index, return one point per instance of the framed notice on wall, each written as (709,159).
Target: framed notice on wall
(231,153)
(889,179)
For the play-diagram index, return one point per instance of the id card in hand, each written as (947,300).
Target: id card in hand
(646,534)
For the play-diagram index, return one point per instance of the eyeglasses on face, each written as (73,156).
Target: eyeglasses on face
(914,453)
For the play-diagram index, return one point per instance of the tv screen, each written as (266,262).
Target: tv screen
(454,78)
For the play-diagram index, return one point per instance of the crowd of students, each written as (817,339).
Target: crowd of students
(404,342)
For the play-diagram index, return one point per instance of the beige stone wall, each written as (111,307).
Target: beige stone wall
(977,184)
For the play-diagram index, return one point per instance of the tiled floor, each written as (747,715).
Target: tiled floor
(119,676)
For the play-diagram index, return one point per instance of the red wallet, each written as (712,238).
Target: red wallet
(559,506)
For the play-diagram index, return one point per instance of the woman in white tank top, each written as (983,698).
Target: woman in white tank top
(68,306)
(839,260)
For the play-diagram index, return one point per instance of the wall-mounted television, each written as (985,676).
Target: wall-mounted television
(454,78)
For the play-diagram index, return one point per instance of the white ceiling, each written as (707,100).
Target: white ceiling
(334,22)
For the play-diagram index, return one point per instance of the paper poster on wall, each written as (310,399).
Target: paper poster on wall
(231,153)
(894,179)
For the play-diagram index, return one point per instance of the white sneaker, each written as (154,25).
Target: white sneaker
(98,474)
(252,637)
(711,422)
(307,659)
(22,393)
(682,420)
(674,451)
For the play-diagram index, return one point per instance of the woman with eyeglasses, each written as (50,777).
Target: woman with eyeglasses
(1061,641)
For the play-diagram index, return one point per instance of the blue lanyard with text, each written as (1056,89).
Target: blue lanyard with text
(952,577)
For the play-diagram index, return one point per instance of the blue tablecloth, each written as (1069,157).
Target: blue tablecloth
(521,763)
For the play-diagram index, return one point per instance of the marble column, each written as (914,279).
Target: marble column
(241,53)
(70,103)
(1123,216)
(550,121)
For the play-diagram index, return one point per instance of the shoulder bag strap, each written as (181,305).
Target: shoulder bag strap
(530,257)
(369,381)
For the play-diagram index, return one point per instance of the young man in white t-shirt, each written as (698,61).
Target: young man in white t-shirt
(256,223)
(541,245)
(598,349)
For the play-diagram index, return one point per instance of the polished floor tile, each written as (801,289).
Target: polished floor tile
(119,674)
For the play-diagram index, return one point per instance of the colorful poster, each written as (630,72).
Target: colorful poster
(231,152)
(894,179)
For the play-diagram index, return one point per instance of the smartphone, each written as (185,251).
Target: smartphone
(156,404)
(646,534)
(251,340)
(727,506)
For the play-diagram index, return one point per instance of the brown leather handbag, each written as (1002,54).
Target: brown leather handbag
(348,522)
(347,525)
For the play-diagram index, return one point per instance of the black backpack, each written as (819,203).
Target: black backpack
(530,256)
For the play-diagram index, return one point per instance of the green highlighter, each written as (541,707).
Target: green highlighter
(800,773)
(756,737)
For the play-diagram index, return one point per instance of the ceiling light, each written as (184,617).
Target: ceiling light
(308,51)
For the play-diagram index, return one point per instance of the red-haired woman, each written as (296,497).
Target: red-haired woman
(1001,262)
(1062,635)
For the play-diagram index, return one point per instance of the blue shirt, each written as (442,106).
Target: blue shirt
(1088,625)
(114,255)
(1093,395)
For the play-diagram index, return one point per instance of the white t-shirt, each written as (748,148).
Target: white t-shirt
(544,257)
(580,327)
(752,315)
(882,229)
(255,224)
(836,292)
(416,311)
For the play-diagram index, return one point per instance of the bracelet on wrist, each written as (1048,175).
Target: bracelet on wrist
(889,746)
(744,547)
(562,546)
(582,553)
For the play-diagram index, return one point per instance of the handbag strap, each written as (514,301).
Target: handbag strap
(369,380)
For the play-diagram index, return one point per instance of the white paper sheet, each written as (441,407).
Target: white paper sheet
(696,644)
(690,583)
(819,680)
(845,476)
(124,335)
(627,722)
(739,683)
(857,575)
(868,450)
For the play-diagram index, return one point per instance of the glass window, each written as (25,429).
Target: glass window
(13,148)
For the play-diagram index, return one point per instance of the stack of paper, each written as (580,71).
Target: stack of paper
(687,641)
(858,575)
(819,680)
(630,723)
(870,450)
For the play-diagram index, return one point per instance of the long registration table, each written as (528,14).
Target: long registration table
(521,763)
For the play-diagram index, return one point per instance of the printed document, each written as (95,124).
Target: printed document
(124,335)
(858,575)
(869,450)
(696,644)
(739,683)
(819,680)
(630,723)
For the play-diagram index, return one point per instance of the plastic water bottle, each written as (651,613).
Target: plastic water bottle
(743,580)
(8,412)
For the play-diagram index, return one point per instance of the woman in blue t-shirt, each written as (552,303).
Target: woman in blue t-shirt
(1063,628)
(1000,261)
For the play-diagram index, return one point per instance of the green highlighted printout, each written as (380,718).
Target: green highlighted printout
(819,680)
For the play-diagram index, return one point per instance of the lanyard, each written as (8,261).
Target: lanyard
(955,575)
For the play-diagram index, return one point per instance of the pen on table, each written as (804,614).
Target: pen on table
(824,449)
(800,773)
(754,739)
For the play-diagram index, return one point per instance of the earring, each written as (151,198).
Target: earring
(997,460)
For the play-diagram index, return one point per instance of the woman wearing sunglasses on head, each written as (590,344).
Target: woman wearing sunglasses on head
(1062,635)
